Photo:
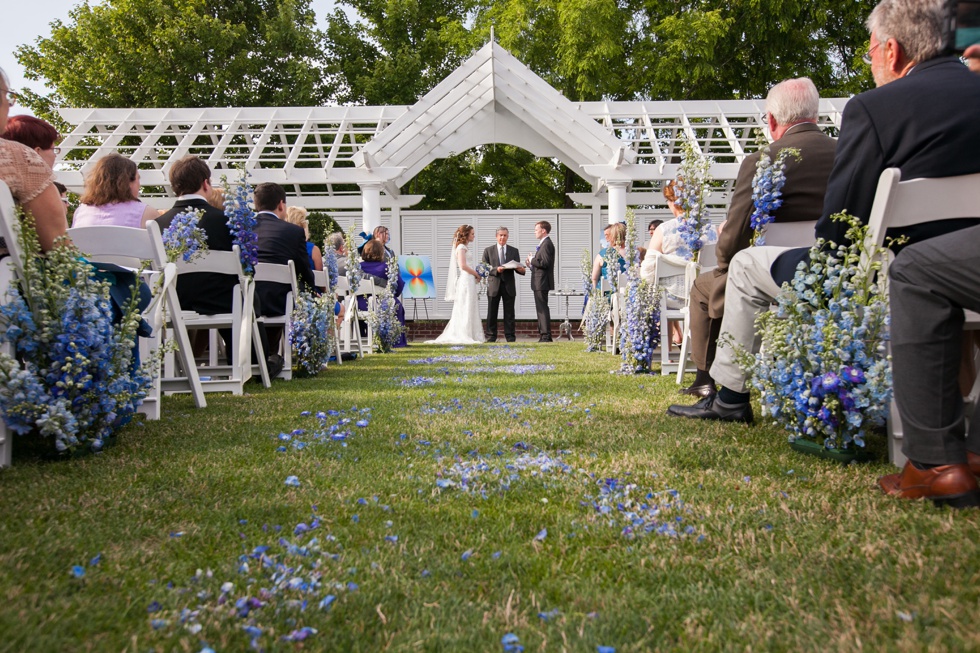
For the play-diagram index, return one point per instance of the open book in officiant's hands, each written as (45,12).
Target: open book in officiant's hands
(511,265)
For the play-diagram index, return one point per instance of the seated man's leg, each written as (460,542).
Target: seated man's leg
(703,331)
(749,293)
(931,283)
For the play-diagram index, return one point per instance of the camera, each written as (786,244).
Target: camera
(961,25)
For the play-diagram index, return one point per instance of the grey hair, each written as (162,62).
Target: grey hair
(336,241)
(793,100)
(499,229)
(917,25)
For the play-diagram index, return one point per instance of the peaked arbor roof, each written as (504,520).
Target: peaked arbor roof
(493,98)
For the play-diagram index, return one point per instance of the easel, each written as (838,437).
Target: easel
(415,303)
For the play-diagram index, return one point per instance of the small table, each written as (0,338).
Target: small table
(565,328)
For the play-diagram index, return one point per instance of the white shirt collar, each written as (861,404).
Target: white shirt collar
(192,196)
(267,213)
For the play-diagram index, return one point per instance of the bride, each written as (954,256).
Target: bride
(465,327)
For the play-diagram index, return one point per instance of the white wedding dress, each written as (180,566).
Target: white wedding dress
(465,326)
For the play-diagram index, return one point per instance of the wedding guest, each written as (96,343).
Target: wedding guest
(111,194)
(615,235)
(338,243)
(216,197)
(653,226)
(374,267)
(542,265)
(279,242)
(30,180)
(972,56)
(37,134)
(298,216)
(382,234)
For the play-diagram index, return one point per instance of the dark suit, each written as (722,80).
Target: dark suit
(924,123)
(202,292)
(806,183)
(501,285)
(543,281)
(280,242)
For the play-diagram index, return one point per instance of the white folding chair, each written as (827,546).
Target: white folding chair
(10,269)
(347,342)
(129,247)
(216,377)
(904,203)
(284,274)
(353,316)
(791,234)
(672,266)
(707,262)
(321,280)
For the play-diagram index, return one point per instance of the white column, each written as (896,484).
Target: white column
(371,206)
(617,201)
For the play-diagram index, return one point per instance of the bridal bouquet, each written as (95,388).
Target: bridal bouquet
(483,270)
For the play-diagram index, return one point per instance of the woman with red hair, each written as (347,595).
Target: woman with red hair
(37,134)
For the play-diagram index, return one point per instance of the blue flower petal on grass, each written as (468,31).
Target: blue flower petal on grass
(475,514)
(326,601)
(543,534)
(292,481)
(391,538)
(497,554)
(353,587)
(355,519)
(157,624)
(605,649)
(300,635)
(176,533)
(361,423)
(154,607)
(78,571)
(96,560)
(467,555)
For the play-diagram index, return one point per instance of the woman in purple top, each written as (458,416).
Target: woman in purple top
(110,197)
(373,265)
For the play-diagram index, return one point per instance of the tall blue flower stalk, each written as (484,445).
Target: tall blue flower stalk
(241,220)
(73,377)
(310,333)
(823,370)
(767,190)
(595,319)
(693,185)
(330,266)
(384,318)
(639,327)
(354,273)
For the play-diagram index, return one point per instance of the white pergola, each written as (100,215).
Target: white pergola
(359,157)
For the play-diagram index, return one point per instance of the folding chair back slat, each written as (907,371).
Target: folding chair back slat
(284,274)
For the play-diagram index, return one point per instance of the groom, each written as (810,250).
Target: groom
(542,277)
(501,285)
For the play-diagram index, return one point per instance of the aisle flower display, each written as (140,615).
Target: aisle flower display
(595,320)
(639,329)
(310,333)
(331,268)
(183,239)
(693,185)
(354,273)
(823,371)
(384,318)
(241,219)
(767,190)
(73,377)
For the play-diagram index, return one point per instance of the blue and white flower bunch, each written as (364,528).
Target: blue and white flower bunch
(823,370)
(767,190)
(483,271)
(354,273)
(384,318)
(595,320)
(183,239)
(241,220)
(310,333)
(330,266)
(693,185)
(639,327)
(73,377)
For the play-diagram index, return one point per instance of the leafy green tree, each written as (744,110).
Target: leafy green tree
(180,53)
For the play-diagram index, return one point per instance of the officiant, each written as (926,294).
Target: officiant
(504,261)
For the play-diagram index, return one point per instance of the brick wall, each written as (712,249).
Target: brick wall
(422,330)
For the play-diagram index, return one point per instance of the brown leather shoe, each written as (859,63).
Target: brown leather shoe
(952,485)
(973,460)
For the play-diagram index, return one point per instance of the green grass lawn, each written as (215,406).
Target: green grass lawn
(466,509)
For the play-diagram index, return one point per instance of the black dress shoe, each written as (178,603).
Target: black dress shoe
(545,340)
(274,365)
(493,339)
(511,339)
(711,408)
(703,390)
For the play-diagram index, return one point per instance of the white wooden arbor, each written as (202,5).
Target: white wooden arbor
(353,161)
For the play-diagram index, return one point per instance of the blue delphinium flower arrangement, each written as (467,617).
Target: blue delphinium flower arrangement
(693,185)
(183,239)
(384,318)
(767,190)
(354,273)
(639,328)
(330,266)
(822,370)
(310,333)
(72,377)
(595,320)
(241,220)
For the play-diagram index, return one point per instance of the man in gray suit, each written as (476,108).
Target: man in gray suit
(501,285)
